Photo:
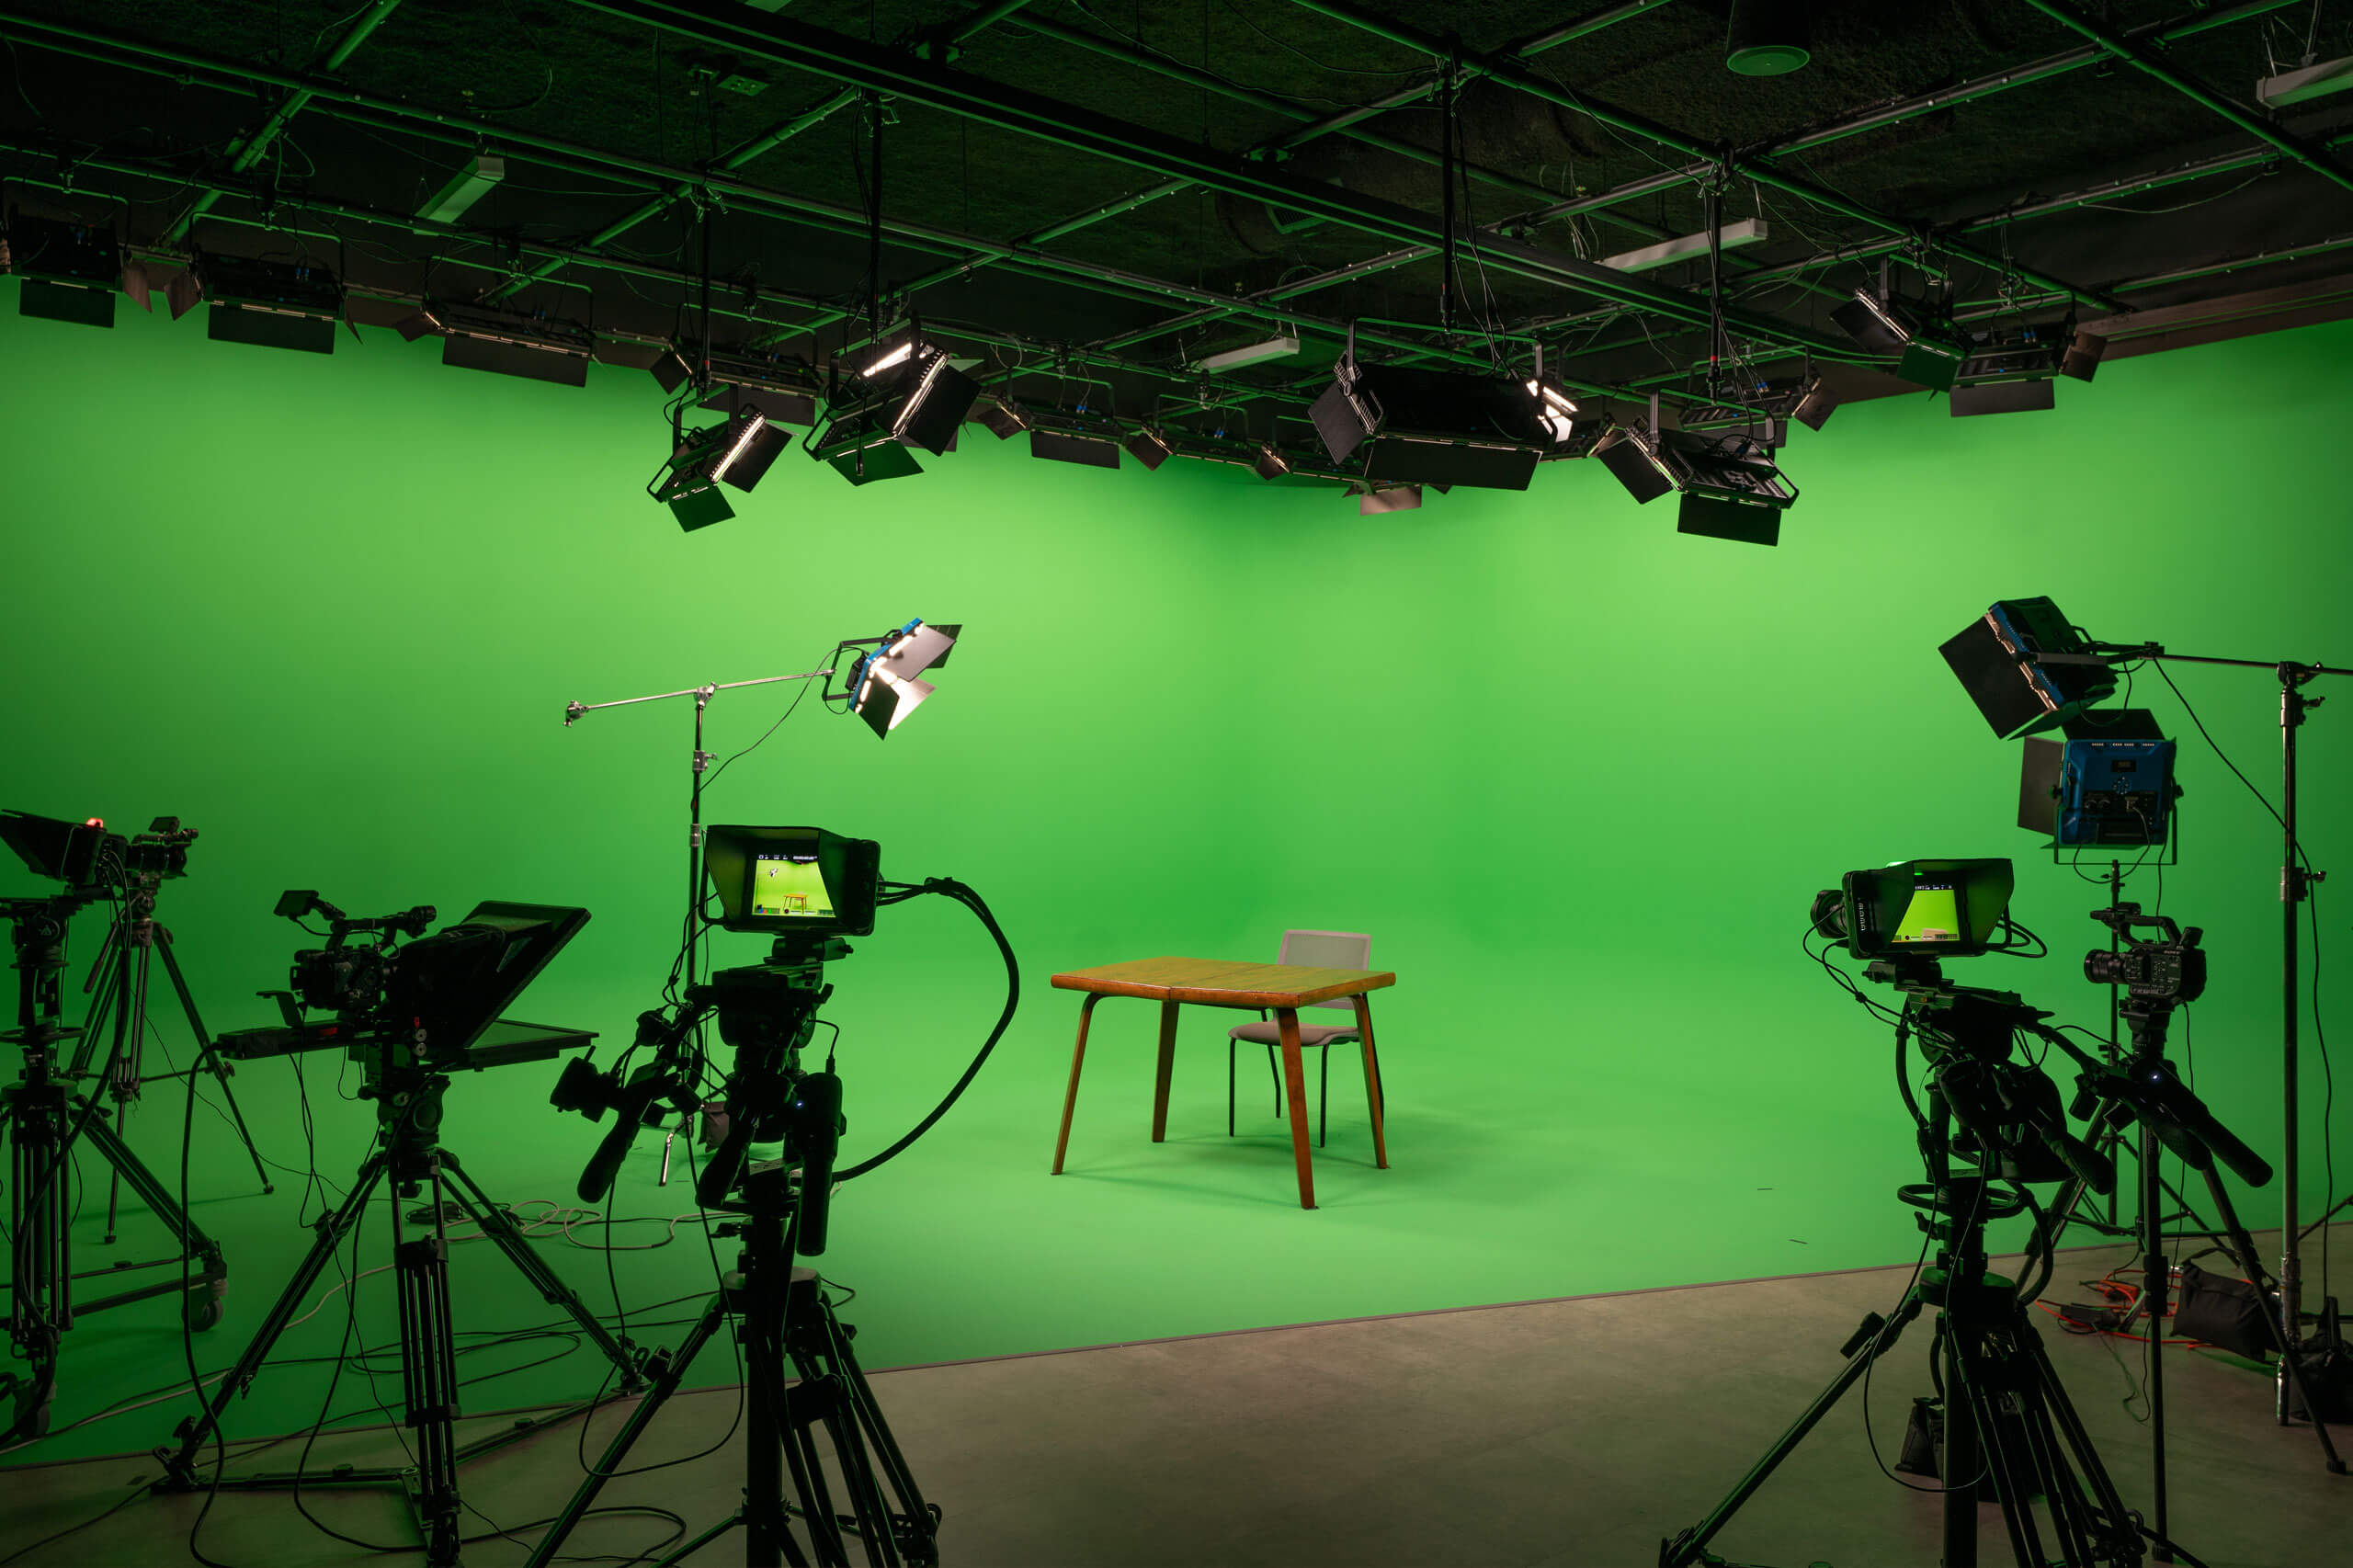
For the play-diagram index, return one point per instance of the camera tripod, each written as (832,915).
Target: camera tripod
(766,1012)
(43,1118)
(134,935)
(789,1331)
(2008,1425)
(410,1154)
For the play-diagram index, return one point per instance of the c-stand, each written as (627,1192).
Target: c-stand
(766,1012)
(485,961)
(2008,1422)
(43,1118)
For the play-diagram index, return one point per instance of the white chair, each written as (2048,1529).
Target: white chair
(1317,949)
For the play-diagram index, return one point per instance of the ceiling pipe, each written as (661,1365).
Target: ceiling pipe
(2142,58)
(788,43)
(250,149)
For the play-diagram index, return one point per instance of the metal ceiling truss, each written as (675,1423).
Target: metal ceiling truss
(337,100)
(295,217)
(2041,70)
(781,42)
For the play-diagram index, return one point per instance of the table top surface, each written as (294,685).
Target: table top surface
(1224,983)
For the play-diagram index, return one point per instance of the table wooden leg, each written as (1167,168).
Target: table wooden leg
(1295,1090)
(1167,1065)
(1077,1058)
(1371,1080)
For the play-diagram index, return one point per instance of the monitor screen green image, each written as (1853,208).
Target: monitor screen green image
(790,886)
(1933,916)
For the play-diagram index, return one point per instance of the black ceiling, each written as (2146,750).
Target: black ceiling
(2041,159)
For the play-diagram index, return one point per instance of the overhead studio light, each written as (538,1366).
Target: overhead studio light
(270,304)
(505,343)
(1003,419)
(1396,498)
(68,272)
(735,452)
(1148,447)
(1438,426)
(2006,378)
(741,381)
(1250,354)
(899,393)
(1061,436)
(1728,481)
(2080,359)
(476,178)
(1998,659)
(1928,352)
(883,685)
(1747,231)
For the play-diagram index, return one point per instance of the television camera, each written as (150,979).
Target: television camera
(808,890)
(344,977)
(84,855)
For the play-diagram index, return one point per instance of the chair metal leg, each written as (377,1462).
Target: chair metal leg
(1229,1085)
(1322,1095)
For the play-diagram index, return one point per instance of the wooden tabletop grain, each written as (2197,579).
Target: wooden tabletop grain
(1224,983)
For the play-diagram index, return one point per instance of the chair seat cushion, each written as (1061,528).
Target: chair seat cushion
(1268,1033)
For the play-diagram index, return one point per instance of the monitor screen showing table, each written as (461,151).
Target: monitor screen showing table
(788,884)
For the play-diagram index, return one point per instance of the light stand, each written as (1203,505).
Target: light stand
(2295,886)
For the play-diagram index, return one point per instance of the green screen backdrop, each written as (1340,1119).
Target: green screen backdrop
(1577,774)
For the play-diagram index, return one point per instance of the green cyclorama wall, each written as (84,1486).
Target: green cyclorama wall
(1578,776)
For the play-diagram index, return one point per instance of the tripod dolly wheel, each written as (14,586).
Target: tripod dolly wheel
(201,1308)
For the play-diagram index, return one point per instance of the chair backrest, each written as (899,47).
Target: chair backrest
(1327,950)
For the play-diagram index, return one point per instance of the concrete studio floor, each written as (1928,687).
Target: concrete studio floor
(1569,1432)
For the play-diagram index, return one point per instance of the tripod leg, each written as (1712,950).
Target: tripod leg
(205,1055)
(2243,1253)
(179,1463)
(822,1393)
(1875,1339)
(918,1523)
(213,1277)
(430,1371)
(500,1227)
(668,1370)
(2119,1536)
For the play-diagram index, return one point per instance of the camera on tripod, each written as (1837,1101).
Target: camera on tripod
(345,977)
(85,855)
(2168,970)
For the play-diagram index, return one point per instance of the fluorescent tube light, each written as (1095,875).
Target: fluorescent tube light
(1747,231)
(2311,82)
(468,185)
(1253,354)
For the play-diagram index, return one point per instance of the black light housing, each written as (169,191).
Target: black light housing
(270,304)
(1148,447)
(1928,352)
(898,393)
(741,381)
(736,452)
(505,343)
(68,271)
(1729,487)
(2081,358)
(1439,427)
(2007,378)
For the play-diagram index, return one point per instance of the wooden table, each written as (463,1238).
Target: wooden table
(1219,983)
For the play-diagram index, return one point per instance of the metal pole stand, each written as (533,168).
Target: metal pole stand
(410,1153)
(785,1326)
